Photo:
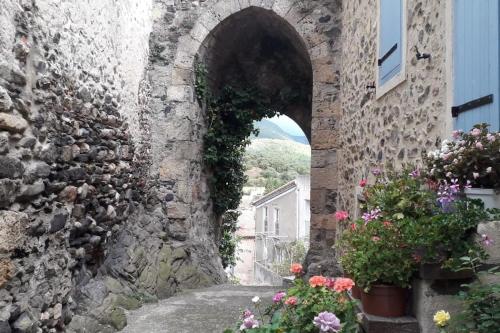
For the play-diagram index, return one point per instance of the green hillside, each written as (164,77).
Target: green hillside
(270,130)
(272,162)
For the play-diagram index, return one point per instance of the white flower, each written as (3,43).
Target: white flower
(256,299)
(449,174)
(475,175)
(488,169)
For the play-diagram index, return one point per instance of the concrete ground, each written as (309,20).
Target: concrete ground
(210,310)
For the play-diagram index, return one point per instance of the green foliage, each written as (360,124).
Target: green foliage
(229,241)
(298,318)
(481,301)
(230,120)
(274,163)
(294,252)
(230,116)
(410,226)
(401,195)
(377,253)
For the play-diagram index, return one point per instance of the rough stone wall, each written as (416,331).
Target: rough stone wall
(410,118)
(68,71)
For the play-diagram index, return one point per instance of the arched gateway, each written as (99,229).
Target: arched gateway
(283,46)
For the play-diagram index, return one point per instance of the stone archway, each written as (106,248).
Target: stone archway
(314,30)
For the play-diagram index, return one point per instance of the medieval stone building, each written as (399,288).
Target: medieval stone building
(104,202)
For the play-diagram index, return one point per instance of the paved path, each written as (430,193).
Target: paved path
(209,310)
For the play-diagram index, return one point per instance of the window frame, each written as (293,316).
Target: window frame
(276,221)
(400,77)
(266,219)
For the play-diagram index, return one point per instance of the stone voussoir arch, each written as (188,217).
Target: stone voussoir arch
(319,28)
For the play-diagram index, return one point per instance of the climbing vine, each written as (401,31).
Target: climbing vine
(230,115)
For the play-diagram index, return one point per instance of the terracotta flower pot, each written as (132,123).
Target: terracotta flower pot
(385,301)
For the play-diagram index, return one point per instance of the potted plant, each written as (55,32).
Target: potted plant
(382,265)
(473,159)
(439,224)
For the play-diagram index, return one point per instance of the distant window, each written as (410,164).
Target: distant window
(265,219)
(277,221)
(391,44)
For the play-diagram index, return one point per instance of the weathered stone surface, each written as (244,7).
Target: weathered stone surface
(12,123)
(7,271)
(5,101)
(198,309)
(10,167)
(12,231)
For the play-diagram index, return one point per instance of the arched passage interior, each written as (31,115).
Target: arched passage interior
(255,47)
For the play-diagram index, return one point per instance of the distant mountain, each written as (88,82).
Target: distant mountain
(270,130)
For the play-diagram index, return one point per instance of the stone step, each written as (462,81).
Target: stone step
(376,324)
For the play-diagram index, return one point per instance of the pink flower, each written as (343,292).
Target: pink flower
(487,241)
(479,145)
(291,301)
(341,215)
(387,224)
(247,313)
(375,238)
(456,134)
(343,284)
(376,172)
(490,137)
(296,269)
(362,182)
(279,296)
(475,132)
(330,283)
(353,226)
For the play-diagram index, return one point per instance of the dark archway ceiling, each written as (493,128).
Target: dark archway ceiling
(255,47)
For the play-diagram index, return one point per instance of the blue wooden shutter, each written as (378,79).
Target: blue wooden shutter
(390,43)
(476,63)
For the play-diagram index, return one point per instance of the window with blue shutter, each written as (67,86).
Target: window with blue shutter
(476,74)
(390,39)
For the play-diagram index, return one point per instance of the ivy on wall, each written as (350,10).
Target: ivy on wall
(230,115)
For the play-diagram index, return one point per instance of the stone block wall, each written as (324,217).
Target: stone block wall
(397,127)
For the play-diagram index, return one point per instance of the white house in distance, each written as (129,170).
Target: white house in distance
(281,216)
(244,268)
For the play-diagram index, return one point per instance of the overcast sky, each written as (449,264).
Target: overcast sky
(288,125)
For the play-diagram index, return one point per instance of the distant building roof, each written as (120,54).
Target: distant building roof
(273,194)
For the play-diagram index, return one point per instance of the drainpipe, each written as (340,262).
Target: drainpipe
(298,213)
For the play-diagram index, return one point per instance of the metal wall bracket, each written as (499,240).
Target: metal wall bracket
(456,110)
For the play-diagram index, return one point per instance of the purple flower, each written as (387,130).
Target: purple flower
(415,173)
(376,172)
(279,296)
(327,322)
(486,240)
(249,322)
(371,215)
